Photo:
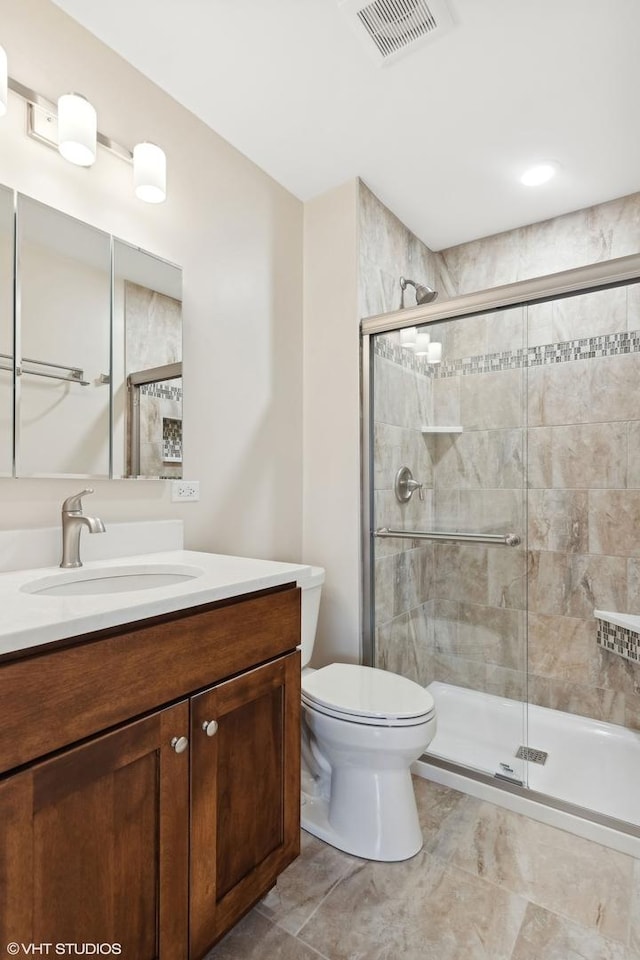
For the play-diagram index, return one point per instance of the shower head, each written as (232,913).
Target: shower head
(424,294)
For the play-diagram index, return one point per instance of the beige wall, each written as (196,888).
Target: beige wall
(355,252)
(238,236)
(331,477)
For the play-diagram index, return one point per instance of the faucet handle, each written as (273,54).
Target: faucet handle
(405,485)
(74,503)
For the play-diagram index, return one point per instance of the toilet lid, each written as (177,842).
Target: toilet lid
(365,694)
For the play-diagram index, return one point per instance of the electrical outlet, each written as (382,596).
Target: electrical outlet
(182,490)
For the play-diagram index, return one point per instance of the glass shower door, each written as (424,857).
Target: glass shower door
(584,571)
(449,529)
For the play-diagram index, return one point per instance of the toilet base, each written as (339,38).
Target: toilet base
(388,838)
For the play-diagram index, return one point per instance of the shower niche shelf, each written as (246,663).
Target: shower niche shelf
(619,633)
(628,621)
(426,429)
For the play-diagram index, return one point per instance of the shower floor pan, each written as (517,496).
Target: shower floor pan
(590,763)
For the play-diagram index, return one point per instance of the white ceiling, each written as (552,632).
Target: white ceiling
(441,136)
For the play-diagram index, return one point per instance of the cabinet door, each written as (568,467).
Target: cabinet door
(94,843)
(245,794)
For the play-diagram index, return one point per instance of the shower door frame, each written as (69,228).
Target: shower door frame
(603,275)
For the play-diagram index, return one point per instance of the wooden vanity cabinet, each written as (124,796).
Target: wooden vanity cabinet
(95,845)
(127,834)
(245,794)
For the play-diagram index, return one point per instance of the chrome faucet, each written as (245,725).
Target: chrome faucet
(73,520)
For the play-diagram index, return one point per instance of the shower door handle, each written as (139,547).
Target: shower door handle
(499,539)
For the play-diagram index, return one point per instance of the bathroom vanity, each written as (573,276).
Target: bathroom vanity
(150,768)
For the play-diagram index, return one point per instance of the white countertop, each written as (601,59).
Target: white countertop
(29,620)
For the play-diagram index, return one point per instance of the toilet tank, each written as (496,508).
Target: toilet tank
(311,587)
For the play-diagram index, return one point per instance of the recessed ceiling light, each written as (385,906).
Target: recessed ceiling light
(538,174)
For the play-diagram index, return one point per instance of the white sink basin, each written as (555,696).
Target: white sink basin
(100,580)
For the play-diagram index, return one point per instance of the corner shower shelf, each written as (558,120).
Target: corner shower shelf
(452,429)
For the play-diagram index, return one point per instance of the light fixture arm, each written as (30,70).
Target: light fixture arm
(35,99)
(30,95)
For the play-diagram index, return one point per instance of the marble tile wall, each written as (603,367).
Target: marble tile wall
(387,251)
(622,641)
(591,235)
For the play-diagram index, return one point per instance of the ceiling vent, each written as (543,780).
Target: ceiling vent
(393,28)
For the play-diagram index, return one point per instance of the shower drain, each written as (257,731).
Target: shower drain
(535,756)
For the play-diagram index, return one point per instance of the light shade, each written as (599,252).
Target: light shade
(3,81)
(539,174)
(408,336)
(422,344)
(149,173)
(77,129)
(434,353)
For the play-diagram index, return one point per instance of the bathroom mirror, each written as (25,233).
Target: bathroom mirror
(147,365)
(63,345)
(6,331)
(96,388)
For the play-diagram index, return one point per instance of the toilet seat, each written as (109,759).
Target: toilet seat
(366,695)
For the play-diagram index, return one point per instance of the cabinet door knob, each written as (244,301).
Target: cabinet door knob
(180,744)
(210,727)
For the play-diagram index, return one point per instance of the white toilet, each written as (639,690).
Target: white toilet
(362,729)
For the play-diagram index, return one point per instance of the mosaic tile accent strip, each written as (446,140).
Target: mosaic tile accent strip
(171,440)
(161,391)
(626,643)
(484,363)
(388,350)
(608,345)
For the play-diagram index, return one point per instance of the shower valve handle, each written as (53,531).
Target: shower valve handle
(406,485)
(412,485)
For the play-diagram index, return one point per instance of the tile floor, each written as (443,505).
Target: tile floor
(488,885)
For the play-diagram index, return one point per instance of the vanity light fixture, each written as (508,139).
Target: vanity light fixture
(423,341)
(3,81)
(434,353)
(149,172)
(77,129)
(71,128)
(540,173)
(408,337)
